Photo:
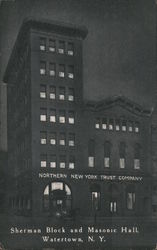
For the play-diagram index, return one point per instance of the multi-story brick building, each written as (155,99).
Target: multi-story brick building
(71,161)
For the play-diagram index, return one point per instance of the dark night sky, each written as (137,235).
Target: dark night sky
(119,51)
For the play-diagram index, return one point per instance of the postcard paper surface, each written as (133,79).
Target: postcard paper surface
(78,134)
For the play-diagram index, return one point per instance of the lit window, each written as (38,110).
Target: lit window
(52,92)
(71,95)
(137,156)
(104,123)
(52,69)
(110,124)
(106,162)
(122,155)
(42,68)
(122,163)
(113,206)
(62,93)
(136,163)
(70,49)
(62,139)
(130,200)
(137,127)
(52,115)
(43,161)
(130,126)
(91,161)
(71,118)
(52,161)
(71,71)
(107,153)
(61,48)
(42,44)
(52,45)
(62,70)
(62,163)
(71,140)
(124,126)
(96,201)
(97,123)
(43,91)
(53,138)
(61,116)
(117,125)
(43,137)
(43,115)
(71,162)
(91,153)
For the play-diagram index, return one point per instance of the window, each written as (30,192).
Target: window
(60,201)
(52,92)
(71,95)
(52,115)
(43,91)
(71,118)
(113,206)
(52,69)
(124,126)
(52,138)
(43,114)
(130,126)
(95,196)
(43,137)
(43,161)
(71,140)
(137,156)
(61,116)
(111,124)
(91,153)
(62,93)
(42,44)
(71,71)
(104,123)
(137,127)
(52,45)
(71,162)
(61,48)
(97,123)
(42,68)
(70,49)
(62,139)
(117,125)
(53,161)
(96,200)
(130,200)
(122,154)
(61,70)
(62,161)
(107,153)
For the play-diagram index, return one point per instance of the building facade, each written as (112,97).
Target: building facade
(73,163)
